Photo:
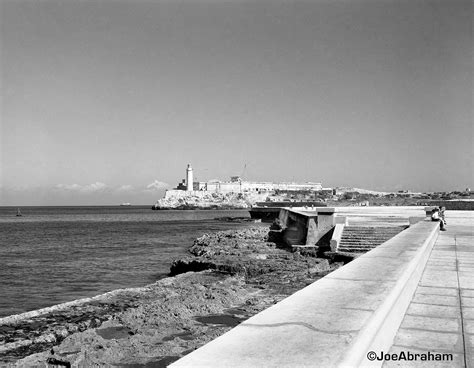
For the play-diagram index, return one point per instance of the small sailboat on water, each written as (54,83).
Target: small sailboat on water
(18,212)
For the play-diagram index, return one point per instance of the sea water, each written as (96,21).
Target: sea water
(51,255)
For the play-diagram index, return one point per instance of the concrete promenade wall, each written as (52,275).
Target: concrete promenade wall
(380,215)
(335,321)
(455,205)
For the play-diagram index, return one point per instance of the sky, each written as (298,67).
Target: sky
(104,102)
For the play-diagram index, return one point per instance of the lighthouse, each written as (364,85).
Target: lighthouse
(189,178)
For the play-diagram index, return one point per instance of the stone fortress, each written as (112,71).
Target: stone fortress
(239,194)
(236,185)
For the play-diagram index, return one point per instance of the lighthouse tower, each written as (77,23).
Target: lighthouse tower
(189,178)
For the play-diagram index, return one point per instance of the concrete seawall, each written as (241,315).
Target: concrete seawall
(335,321)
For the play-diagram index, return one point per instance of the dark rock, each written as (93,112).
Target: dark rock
(190,265)
(275,236)
(62,363)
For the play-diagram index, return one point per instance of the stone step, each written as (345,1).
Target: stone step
(362,247)
(349,233)
(352,231)
(395,230)
(382,235)
(370,232)
(369,238)
(346,236)
(359,246)
(365,238)
(374,230)
(376,238)
(374,227)
(354,250)
(360,243)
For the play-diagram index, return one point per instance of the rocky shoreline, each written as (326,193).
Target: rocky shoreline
(228,277)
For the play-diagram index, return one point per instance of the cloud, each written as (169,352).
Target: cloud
(95,187)
(89,188)
(125,188)
(156,185)
(65,187)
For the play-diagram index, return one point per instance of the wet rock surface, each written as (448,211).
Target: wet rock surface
(239,273)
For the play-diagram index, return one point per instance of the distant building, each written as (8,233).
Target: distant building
(237,185)
(182,185)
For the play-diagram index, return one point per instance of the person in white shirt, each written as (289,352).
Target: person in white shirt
(435,216)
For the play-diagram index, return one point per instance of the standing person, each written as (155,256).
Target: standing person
(435,216)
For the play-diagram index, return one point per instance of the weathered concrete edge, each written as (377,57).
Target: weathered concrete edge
(378,334)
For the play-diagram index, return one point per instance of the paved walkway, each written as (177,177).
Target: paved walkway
(440,318)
